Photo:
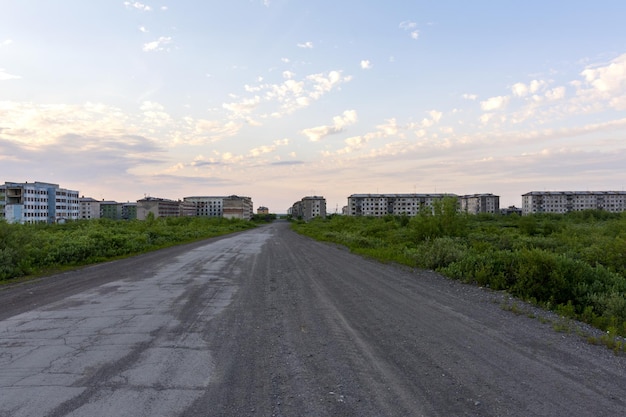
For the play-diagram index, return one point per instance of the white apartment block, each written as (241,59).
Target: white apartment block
(38,202)
(379,205)
(309,207)
(479,203)
(566,201)
(89,208)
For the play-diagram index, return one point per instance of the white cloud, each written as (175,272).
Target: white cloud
(470,96)
(522,90)
(143,29)
(306,45)
(158,45)
(245,106)
(494,103)
(138,6)
(366,64)
(554,94)
(315,134)
(608,78)
(6,76)
(6,42)
(410,27)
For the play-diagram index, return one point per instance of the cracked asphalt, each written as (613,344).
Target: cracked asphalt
(269,323)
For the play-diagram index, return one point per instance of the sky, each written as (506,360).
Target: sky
(282,99)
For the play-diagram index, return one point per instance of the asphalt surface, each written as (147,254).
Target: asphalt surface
(269,323)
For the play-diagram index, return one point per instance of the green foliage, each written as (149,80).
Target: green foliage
(33,248)
(574,263)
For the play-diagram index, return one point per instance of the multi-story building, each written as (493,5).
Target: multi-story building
(479,203)
(159,207)
(566,201)
(378,205)
(110,210)
(207,206)
(39,202)
(233,206)
(89,208)
(236,207)
(309,207)
(118,211)
(129,211)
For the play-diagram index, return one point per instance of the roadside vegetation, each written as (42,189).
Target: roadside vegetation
(32,249)
(573,264)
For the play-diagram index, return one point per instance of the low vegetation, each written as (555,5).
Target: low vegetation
(30,249)
(574,264)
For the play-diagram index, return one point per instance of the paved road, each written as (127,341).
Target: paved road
(269,323)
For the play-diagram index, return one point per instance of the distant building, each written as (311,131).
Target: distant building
(207,206)
(511,210)
(236,207)
(232,206)
(38,202)
(262,210)
(110,210)
(567,201)
(479,203)
(378,205)
(309,207)
(159,207)
(89,208)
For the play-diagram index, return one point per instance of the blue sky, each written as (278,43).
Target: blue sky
(280,99)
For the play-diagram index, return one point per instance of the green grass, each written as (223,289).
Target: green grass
(35,249)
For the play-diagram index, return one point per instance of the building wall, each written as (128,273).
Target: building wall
(479,203)
(236,207)
(309,207)
(159,207)
(207,206)
(378,205)
(567,201)
(89,208)
(39,202)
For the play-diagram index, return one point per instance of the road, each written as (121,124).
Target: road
(269,323)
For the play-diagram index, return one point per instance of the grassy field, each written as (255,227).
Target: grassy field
(33,249)
(574,264)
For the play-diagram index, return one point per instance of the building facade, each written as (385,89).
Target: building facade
(231,207)
(39,202)
(236,207)
(89,208)
(159,207)
(479,203)
(379,205)
(567,201)
(207,206)
(309,207)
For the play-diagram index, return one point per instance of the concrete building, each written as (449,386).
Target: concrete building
(159,207)
(231,207)
(38,202)
(89,208)
(236,207)
(207,206)
(309,207)
(479,203)
(567,201)
(262,210)
(379,205)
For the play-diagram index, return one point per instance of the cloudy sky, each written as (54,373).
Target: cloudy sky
(280,99)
